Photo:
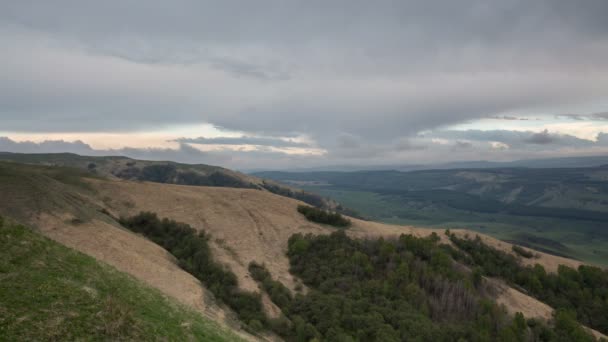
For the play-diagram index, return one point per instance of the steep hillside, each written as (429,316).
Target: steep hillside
(53,293)
(245,224)
(62,205)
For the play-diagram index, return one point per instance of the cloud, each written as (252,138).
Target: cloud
(49,146)
(525,140)
(361,79)
(184,152)
(408,144)
(593,116)
(509,118)
(541,138)
(245,140)
(305,67)
(463,144)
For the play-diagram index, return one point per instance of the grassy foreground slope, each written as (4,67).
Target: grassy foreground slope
(51,292)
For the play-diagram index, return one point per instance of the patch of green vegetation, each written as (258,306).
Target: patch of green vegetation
(324,216)
(28,190)
(278,293)
(306,197)
(49,292)
(583,291)
(405,289)
(522,252)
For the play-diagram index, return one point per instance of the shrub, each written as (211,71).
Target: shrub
(323,216)
(522,252)
(279,294)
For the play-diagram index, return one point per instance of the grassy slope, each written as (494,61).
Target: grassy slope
(50,292)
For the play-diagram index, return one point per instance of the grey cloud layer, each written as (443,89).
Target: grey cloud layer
(454,146)
(374,70)
(258,141)
(524,140)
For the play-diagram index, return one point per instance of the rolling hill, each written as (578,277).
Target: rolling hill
(80,210)
(165,172)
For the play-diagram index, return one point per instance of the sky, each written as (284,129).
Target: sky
(294,84)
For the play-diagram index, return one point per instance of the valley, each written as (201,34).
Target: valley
(560,211)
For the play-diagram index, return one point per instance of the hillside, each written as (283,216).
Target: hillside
(561,211)
(245,225)
(53,293)
(164,172)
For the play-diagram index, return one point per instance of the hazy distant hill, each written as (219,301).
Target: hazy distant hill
(565,162)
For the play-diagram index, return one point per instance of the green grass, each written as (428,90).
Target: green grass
(29,190)
(53,293)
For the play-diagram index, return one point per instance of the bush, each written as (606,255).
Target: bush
(522,252)
(323,216)
(279,294)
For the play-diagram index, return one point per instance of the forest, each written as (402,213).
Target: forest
(583,291)
(400,289)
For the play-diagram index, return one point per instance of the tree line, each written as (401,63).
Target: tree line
(582,291)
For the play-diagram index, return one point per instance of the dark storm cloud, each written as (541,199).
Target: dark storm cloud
(374,70)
